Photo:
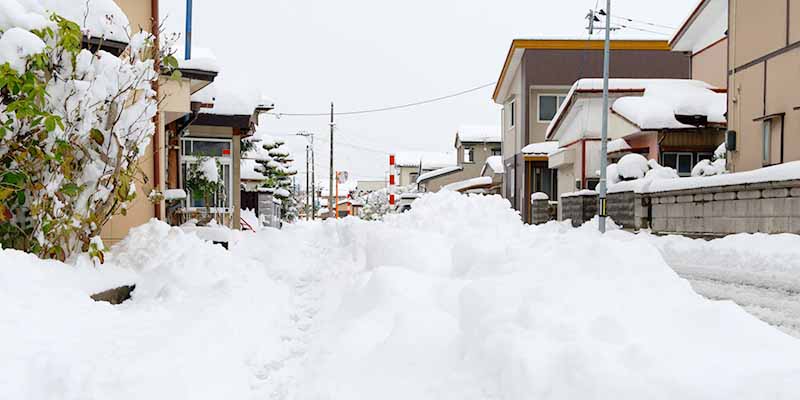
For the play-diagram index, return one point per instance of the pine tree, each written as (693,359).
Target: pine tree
(278,172)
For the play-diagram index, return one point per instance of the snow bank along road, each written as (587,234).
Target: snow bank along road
(456,299)
(761,273)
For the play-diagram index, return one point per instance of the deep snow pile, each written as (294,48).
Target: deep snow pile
(456,299)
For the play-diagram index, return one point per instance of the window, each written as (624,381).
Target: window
(681,162)
(496,151)
(469,155)
(704,156)
(413,176)
(766,135)
(512,114)
(192,149)
(548,106)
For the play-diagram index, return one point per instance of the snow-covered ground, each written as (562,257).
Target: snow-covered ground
(456,299)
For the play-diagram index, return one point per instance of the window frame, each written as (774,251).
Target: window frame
(678,155)
(512,116)
(469,150)
(224,160)
(560,99)
(766,141)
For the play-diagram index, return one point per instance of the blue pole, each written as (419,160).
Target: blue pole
(188,29)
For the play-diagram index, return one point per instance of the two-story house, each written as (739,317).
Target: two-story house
(535,79)
(474,144)
(174,104)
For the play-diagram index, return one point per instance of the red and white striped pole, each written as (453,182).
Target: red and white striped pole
(391,179)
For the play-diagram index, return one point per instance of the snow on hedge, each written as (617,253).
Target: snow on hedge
(97,18)
(442,302)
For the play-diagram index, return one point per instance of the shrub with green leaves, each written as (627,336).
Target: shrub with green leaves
(73,124)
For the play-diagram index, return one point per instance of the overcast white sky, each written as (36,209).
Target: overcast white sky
(372,53)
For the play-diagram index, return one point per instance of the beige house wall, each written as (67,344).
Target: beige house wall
(764,81)
(404,175)
(139,14)
(482,152)
(756,28)
(538,130)
(512,134)
(709,65)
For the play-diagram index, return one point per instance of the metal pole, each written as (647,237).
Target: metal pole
(604,137)
(330,183)
(309,207)
(188,44)
(313,183)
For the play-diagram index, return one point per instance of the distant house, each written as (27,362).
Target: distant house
(535,79)
(674,121)
(493,168)
(410,165)
(473,144)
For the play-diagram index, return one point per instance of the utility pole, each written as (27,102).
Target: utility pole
(310,192)
(602,187)
(309,206)
(330,183)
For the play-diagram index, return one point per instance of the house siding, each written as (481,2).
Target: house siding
(763,67)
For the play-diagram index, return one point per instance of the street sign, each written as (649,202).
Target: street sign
(342,176)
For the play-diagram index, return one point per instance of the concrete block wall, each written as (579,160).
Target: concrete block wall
(543,211)
(770,207)
(579,208)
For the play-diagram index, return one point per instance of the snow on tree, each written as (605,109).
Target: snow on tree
(276,167)
(72,126)
(376,203)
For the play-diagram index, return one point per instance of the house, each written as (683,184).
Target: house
(350,207)
(704,35)
(473,144)
(493,168)
(410,165)
(674,121)
(536,77)
(215,129)
(371,185)
(174,104)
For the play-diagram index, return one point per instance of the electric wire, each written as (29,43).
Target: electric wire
(388,108)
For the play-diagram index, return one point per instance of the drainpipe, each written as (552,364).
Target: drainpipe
(188,44)
(157,118)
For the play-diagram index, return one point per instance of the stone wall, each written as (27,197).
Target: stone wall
(770,207)
(579,208)
(543,211)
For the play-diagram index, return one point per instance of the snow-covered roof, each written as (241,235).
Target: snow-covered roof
(617,145)
(479,133)
(468,184)
(97,18)
(495,164)
(541,148)
(671,93)
(248,171)
(429,159)
(203,59)
(705,24)
(438,172)
(229,100)
(664,99)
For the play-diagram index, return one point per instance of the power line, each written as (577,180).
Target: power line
(641,29)
(644,22)
(389,108)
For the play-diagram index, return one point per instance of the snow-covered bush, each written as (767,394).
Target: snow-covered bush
(635,166)
(632,166)
(376,203)
(717,166)
(72,126)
